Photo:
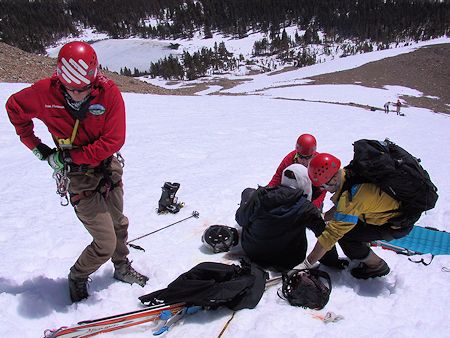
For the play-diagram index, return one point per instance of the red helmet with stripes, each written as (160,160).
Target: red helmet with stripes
(77,65)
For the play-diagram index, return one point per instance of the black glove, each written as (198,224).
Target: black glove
(42,151)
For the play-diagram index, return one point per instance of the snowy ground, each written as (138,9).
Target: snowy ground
(215,146)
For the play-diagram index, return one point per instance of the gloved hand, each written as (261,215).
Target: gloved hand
(57,160)
(303,265)
(43,151)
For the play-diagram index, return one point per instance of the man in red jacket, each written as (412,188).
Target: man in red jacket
(85,114)
(305,150)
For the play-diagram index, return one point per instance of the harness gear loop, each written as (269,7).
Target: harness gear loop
(62,185)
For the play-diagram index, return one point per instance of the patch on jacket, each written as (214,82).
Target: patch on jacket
(96,109)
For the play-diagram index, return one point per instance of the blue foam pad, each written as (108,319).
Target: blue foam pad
(424,241)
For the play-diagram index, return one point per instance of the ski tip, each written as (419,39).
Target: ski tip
(161,330)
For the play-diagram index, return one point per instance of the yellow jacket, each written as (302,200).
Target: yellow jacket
(368,204)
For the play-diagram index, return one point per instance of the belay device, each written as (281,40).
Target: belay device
(168,201)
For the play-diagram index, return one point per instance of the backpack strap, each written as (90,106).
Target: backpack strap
(322,274)
(422,261)
(351,179)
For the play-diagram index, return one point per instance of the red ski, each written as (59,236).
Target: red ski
(89,328)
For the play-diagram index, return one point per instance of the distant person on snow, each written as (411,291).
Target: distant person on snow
(386,107)
(360,216)
(274,222)
(398,105)
(305,150)
(85,114)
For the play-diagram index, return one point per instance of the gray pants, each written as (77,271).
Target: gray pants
(103,218)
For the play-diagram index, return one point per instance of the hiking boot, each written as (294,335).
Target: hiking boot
(78,288)
(363,271)
(125,273)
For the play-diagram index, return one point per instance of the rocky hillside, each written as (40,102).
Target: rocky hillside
(19,66)
(426,70)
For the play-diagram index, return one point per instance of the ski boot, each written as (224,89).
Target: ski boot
(168,202)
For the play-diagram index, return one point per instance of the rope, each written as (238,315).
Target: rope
(74,131)
(226,325)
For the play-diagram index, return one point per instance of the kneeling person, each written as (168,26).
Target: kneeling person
(360,215)
(274,221)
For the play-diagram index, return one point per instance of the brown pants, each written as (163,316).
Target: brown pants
(103,218)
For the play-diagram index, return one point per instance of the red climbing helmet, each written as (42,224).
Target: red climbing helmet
(77,65)
(306,145)
(322,168)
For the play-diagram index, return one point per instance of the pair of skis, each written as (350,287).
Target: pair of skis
(166,315)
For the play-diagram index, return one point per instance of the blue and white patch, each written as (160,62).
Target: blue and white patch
(96,109)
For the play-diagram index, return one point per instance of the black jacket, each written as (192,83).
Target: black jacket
(273,222)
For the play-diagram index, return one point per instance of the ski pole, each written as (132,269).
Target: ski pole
(194,214)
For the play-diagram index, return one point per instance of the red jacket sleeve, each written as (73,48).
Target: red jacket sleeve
(318,201)
(112,136)
(22,107)
(286,162)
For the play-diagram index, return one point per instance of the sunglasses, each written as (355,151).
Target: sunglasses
(303,157)
(78,90)
(327,185)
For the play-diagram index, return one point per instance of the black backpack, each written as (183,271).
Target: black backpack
(306,288)
(212,285)
(397,173)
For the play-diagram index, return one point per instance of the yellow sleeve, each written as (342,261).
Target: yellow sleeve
(367,203)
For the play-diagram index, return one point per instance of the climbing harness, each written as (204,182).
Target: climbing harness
(63,181)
